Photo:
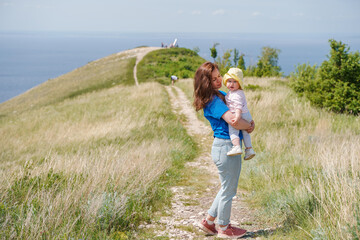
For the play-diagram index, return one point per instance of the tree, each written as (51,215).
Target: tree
(268,63)
(214,51)
(241,63)
(224,63)
(236,56)
(335,85)
(338,84)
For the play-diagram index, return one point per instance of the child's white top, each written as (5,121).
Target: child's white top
(236,100)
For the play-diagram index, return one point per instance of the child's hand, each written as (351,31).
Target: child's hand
(237,115)
(236,118)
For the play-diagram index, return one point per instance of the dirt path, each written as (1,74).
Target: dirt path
(140,53)
(190,202)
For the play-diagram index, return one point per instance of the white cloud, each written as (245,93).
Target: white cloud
(219,12)
(255,14)
(196,12)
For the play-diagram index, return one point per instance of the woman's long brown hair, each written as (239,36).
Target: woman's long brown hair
(203,90)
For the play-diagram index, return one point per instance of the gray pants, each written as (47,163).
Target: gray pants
(234,133)
(229,168)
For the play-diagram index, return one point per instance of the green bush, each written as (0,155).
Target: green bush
(302,80)
(160,65)
(335,85)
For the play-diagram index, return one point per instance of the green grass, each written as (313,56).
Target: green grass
(161,64)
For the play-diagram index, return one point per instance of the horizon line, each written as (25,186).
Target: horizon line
(168,32)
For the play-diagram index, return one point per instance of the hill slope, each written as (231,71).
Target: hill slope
(92,159)
(103,73)
(83,157)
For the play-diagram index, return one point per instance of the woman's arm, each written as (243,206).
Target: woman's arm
(240,125)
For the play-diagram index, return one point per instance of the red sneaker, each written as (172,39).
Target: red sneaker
(231,232)
(210,229)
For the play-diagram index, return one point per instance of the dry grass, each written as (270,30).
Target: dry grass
(304,148)
(307,169)
(74,167)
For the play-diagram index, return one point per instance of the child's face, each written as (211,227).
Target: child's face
(232,84)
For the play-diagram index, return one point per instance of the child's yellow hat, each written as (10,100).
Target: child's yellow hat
(236,74)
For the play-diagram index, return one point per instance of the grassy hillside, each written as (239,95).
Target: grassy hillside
(306,173)
(103,73)
(160,65)
(88,156)
(88,164)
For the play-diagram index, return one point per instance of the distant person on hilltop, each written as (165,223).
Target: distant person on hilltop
(173,79)
(208,97)
(236,102)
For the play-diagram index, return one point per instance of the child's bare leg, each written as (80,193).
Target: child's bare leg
(236,142)
(236,149)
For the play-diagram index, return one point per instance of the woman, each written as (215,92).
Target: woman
(207,96)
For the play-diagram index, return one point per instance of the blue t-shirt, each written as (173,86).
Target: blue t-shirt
(213,113)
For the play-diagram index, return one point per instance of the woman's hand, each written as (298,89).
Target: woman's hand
(252,127)
(240,125)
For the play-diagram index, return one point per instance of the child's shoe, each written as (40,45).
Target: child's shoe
(249,154)
(235,150)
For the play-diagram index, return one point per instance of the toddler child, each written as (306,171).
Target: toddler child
(236,102)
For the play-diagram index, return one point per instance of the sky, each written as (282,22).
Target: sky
(251,16)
